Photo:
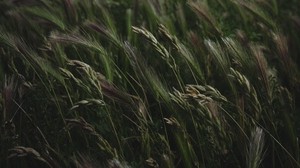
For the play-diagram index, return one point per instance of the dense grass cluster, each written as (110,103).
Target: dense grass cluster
(150,83)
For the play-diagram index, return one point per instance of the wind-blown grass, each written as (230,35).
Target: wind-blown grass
(165,83)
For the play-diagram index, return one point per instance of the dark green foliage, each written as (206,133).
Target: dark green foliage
(151,83)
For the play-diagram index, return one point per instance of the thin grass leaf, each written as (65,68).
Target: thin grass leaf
(9,39)
(203,12)
(86,42)
(257,11)
(281,43)
(219,54)
(30,55)
(70,10)
(183,50)
(103,30)
(240,56)
(151,78)
(262,66)
(181,17)
(129,17)
(47,15)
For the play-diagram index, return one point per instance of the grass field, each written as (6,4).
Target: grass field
(150,83)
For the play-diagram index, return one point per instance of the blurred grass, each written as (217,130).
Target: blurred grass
(152,83)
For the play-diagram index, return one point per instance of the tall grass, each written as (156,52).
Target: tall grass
(153,83)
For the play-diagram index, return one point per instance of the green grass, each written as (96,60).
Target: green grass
(165,83)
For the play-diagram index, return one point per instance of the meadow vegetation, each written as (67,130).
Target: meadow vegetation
(150,83)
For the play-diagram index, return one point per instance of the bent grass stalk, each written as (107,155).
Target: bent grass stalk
(232,64)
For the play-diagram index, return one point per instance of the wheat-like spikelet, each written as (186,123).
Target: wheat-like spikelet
(158,47)
(248,90)
(262,66)
(182,50)
(197,96)
(26,156)
(89,42)
(102,143)
(255,149)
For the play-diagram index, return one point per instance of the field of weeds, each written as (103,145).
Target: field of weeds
(150,83)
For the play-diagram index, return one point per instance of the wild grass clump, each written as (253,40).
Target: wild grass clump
(167,83)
